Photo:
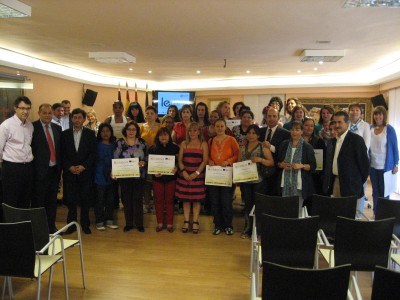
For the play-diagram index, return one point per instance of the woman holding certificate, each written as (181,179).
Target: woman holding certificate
(132,146)
(190,188)
(224,151)
(297,160)
(164,185)
(255,152)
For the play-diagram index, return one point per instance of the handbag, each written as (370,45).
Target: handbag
(266,171)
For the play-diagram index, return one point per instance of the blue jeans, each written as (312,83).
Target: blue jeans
(221,205)
(104,208)
(378,185)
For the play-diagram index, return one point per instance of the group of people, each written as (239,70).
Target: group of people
(34,155)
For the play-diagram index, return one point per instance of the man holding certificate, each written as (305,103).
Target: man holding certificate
(161,154)
(132,146)
(224,151)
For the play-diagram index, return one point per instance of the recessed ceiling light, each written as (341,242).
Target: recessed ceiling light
(150,71)
(315,69)
(248,72)
(130,69)
(298,71)
(321,62)
(198,72)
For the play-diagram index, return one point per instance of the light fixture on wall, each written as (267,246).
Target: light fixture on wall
(14,9)
(321,55)
(112,57)
(371,3)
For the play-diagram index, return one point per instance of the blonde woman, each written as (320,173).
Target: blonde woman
(92,123)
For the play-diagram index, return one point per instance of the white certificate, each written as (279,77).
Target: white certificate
(390,181)
(245,171)
(161,164)
(125,167)
(231,123)
(319,157)
(216,175)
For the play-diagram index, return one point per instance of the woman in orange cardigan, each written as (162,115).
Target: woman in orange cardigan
(224,151)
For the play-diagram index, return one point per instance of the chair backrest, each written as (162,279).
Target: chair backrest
(285,207)
(281,282)
(363,244)
(386,284)
(17,253)
(288,241)
(387,208)
(328,208)
(38,218)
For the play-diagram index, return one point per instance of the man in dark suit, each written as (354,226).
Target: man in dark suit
(271,137)
(46,149)
(350,163)
(79,151)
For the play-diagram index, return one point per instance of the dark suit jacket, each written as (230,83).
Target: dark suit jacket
(279,136)
(85,155)
(41,150)
(308,157)
(353,165)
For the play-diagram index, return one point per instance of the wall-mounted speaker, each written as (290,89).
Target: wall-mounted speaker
(89,98)
(379,101)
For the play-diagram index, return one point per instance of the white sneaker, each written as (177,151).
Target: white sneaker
(112,226)
(100,227)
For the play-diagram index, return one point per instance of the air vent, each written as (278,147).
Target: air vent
(112,57)
(321,55)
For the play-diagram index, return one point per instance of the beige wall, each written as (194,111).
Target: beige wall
(52,89)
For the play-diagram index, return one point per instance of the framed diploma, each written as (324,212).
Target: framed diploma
(161,164)
(245,171)
(231,123)
(125,167)
(216,175)
(319,157)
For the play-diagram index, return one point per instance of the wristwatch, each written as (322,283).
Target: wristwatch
(197,172)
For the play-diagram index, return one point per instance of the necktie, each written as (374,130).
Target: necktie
(51,145)
(269,135)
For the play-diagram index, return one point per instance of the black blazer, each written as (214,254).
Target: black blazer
(308,157)
(41,150)
(85,155)
(279,136)
(353,165)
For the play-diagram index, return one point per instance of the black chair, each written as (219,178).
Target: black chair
(386,284)
(285,207)
(288,241)
(282,282)
(40,227)
(387,208)
(362,244)
(329,208)
(18,257)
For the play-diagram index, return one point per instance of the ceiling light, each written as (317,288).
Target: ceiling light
(14,9)
(112,57)
(371,3)
(315,69)
(130,69)
(321,55)
(248,72)
(298,71)
(150,71)
(321,62)
(198,72)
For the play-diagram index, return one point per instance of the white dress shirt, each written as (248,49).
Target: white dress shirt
(339,142)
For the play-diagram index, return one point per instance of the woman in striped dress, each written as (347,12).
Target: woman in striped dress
(193,157)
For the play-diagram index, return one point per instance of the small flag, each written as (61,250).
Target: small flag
(119,92)
(136,99)
(127,101)
(147,97)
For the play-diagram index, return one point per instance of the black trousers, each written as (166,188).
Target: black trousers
(45,194)
(132,197)
(77,192)
(17,181)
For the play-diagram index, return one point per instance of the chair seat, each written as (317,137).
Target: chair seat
(47,261)
(396,258)
(67,244)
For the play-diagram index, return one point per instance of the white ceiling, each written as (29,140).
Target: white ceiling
(175,38)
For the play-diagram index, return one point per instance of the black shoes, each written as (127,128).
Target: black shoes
(70,230)
(86,230)
(140,228)
(127,228)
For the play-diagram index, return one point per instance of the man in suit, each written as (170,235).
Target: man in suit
(58,112)
(66,119)
(79,151)
(350,163)
(271,137)
(46,149)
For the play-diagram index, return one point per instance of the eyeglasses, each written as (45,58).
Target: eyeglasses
(24,108)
